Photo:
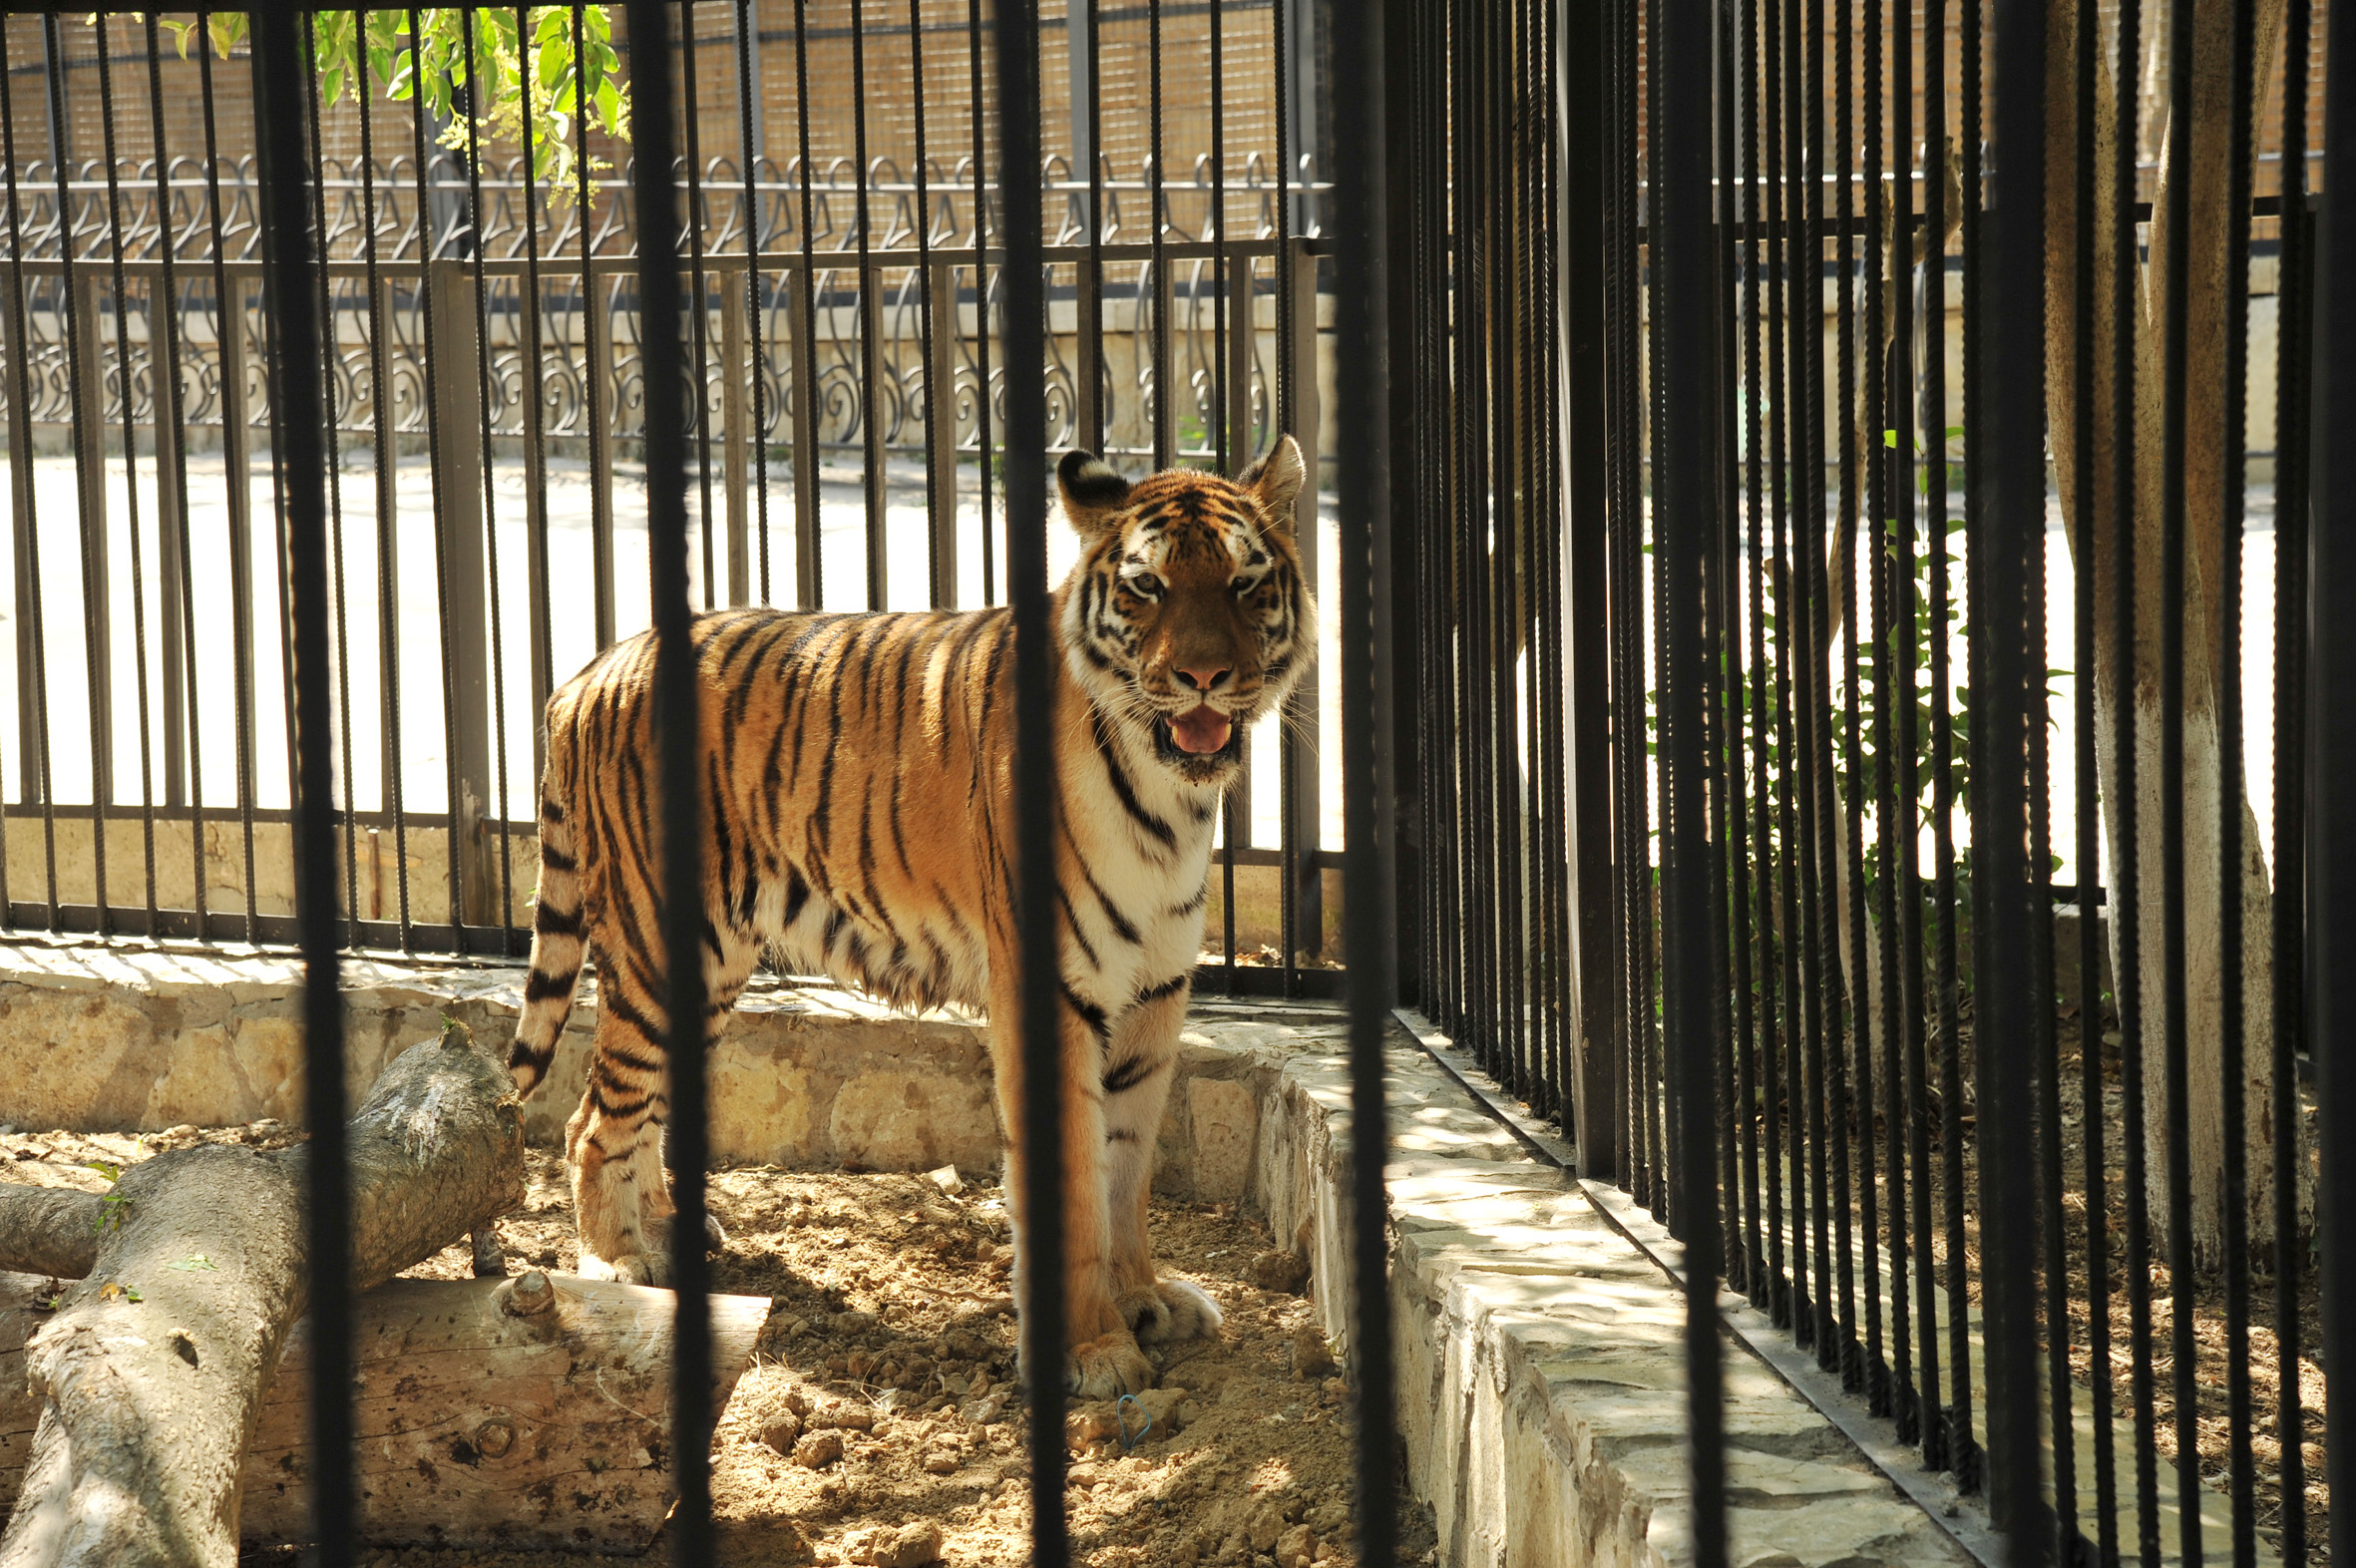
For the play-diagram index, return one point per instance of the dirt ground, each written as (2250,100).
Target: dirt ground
(879,1422)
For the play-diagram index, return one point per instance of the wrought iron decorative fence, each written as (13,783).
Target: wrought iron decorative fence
(846,418)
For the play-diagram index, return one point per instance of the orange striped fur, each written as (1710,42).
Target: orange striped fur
(858,774)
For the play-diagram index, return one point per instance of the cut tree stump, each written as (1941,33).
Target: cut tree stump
(526,1415)
(149,1377)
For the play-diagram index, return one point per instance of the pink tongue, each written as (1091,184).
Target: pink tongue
(1203,730)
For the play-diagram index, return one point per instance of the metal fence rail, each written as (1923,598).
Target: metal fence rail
(486,402)
(1820,792)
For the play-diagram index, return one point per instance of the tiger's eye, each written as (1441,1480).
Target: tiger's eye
(1147,585)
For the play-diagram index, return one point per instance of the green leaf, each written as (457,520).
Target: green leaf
(110,1171)
(610,105)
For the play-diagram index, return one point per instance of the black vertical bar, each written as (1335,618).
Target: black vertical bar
(2292,821)
(501,920)
(678,735)
(1768,676)
(88,458)
(592,376)
(388,525)
(2088,807)
(1889,822)
(1361,134)
(749,150)
(447,510)
(1959,1451)
(1233,826)
(168,388)
(1686,455)
(2127,868)
(809,503)
(33,643)
(291,279)
(973,41)
(1584,143)
(536,541)
(1043,1319)
(699,316)
(939,521)
(2007,582)
(1853,1057)
(2175,1062)
(2231,875)
(870,400)
(2331,754)
(138,608)
(228,336)
(1158,217)
(327,360)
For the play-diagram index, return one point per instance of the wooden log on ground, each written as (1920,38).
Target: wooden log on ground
(49,1230)
(149,1375)
(526,1415)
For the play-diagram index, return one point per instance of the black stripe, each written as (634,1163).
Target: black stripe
(797,894)
(550,811)
(1131,1074)
(1121,785)
(1090,1014)
(548,922)
(1169,988)
(1072,918)
(554,859)
(540,988)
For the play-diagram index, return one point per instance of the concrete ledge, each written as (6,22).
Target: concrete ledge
(1540,1357)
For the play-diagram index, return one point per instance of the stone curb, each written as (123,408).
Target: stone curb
(1540,1354)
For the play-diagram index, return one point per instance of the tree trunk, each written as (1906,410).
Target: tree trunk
(2205,468)
(149,1375)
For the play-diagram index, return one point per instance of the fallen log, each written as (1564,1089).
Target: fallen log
(149,1375)
(531,1413)
(49,1230)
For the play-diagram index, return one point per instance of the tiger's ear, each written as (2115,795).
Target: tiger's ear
(1092,492)
(1276,479)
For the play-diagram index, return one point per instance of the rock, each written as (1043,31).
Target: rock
(844,1416)
(1225,1121)
(940,1461)
(910,1546)
(818,1451)
(1313,1358)
(1166,1406)
(1090,1424)
(1266,1526)
(1296,1549)
(947,1179)
(989,1409)
(1278,1269)
(850,1323)
(783,1432)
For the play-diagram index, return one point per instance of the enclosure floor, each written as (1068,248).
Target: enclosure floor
(888,1293)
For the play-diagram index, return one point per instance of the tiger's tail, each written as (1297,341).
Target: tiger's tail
(559,935)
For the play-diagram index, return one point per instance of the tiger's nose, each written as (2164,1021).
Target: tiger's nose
(1204,679)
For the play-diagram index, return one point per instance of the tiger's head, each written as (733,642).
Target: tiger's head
(1187,616)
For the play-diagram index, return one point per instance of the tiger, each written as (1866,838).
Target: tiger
(859,785)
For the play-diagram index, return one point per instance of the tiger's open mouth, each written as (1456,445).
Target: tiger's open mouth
(1198,743)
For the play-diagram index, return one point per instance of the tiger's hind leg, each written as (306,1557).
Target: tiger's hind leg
(1138,1066)
(620,1195)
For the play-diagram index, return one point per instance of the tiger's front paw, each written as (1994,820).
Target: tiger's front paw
(632,1268)
(1168,1310)
(1107,1367)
